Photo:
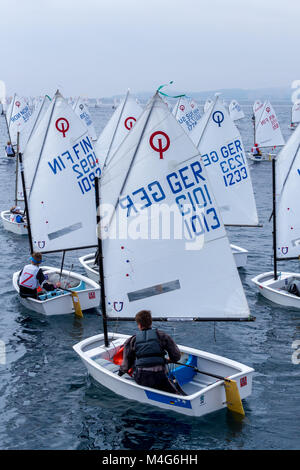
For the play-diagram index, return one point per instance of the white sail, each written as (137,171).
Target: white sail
(3,95)
(207,105)
(60,168)
(82,111)
(39,112)
(187,113)
(287,198)
(19,120)
(117,128)
(296,112)
(235,111)
(222,153)
(257,106)
(267,129)
(158,167)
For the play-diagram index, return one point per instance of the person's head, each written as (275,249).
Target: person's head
(13,208)
(36,258)
(8,143)
(144,319)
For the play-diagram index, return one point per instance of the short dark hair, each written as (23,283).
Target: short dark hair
(144,319)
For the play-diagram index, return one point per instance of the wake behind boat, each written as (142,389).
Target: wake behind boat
(204,393)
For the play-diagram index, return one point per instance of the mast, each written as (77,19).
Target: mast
(17,168)
(100,258)
(26,203)
(274,220)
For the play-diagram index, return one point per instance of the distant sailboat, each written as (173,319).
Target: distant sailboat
(235,111)
(295,115)
(223,155)
(276,286)
(82,111)
(158,165)
(187,113)
(267,131)
(208,103)
(58,176)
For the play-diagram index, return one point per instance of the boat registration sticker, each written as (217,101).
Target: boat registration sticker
(92,295)
(243,381)
(202,402)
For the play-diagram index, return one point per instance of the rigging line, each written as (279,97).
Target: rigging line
(116,128)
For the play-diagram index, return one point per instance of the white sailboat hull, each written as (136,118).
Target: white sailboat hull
(15,227)
(61,302)
(204,394)
(240,255)
(88,261)
(275,290)
(265,157)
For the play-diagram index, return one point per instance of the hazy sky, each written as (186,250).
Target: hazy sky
(102,47)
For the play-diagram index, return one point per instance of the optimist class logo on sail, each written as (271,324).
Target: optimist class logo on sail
(80,157)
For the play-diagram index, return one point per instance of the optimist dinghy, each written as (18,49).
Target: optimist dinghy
(204,393)
(59,301)
(10,224)
(267,132)
(281,287)
(58,175)
(174,277)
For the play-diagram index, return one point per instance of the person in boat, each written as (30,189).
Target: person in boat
(9,149)
(256,150)
(145,352)
(16,215)
(32,278)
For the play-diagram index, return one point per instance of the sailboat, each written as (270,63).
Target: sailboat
(187,113)
(158,166)
(18,116)
(81,109)
(223,155)
(58,175)
(9,221)
(275,285)
(117,128)
(295,115)
(207,105)
(235,111)
(267,132)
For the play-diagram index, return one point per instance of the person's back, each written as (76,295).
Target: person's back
(9,150)
(31,277)
(145,352)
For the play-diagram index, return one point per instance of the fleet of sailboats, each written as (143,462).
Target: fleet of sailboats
(151,200)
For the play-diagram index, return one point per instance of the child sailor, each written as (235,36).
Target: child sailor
(32,278)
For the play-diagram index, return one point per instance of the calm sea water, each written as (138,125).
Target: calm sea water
(47,401)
